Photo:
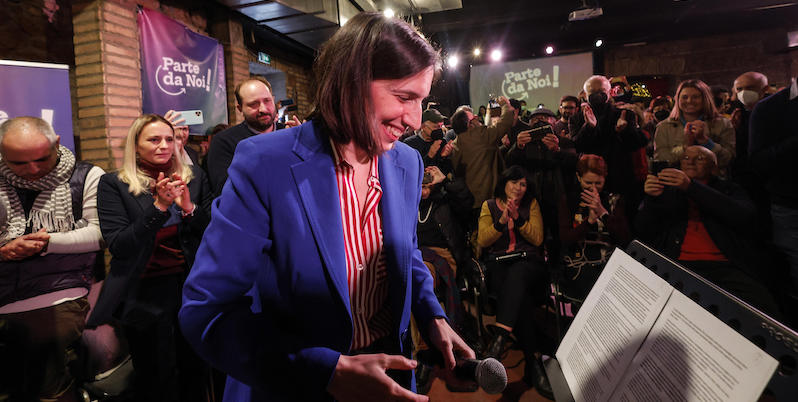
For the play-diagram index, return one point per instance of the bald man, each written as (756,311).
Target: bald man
(748,89)
(49,237)
(693,216)
(256,103)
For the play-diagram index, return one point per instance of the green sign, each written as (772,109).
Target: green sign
(264,58)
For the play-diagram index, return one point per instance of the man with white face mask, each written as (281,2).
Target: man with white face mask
(748,89)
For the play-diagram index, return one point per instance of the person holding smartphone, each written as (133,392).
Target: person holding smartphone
(429,141)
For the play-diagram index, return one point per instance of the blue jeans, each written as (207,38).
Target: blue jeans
(785,237)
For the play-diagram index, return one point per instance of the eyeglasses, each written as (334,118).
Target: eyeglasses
(698,158)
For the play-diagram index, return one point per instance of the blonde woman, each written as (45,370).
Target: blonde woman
(694,120)
(153,212)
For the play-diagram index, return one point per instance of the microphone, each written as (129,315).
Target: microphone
(489,373)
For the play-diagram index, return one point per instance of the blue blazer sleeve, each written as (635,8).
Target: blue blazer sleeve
(219,317)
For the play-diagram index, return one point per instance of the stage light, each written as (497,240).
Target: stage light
(389,12)
(496,55)
(599,42)
(477,52)
(549,49)
(452,61)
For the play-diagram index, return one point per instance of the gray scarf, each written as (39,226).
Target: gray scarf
(52,208)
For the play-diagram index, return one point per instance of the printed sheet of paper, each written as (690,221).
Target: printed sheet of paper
(690,355)
(612,323)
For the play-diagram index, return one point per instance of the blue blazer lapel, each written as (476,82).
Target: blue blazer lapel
(395,231)
(315,180)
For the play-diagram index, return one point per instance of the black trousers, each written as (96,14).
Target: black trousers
(521,286)
(167,369)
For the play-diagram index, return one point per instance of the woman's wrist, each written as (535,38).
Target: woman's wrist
(160,206)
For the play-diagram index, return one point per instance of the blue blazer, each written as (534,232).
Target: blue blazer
(267,300)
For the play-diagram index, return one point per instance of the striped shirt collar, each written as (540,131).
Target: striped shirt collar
(341,163)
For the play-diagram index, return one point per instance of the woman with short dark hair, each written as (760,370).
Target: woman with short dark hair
(511,233)
(308,273)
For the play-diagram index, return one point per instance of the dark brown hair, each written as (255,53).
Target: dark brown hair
(591,163)
(258,78)
(369,47)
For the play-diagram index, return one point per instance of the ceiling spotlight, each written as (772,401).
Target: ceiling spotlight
(452,61)
(599,42)
(389,12)
(496,55)
(477,52)
(549,49)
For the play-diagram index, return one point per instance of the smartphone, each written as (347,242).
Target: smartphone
(192,117)
(540,130)
(657,166)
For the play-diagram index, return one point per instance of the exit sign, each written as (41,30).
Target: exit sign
(264,58)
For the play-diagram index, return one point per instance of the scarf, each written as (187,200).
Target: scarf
(52,209)
(152,170)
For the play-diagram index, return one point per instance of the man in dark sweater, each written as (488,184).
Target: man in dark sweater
(693,216)
(255,101)
(772,148)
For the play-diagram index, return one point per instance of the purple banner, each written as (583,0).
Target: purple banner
(39,90)
(181,70)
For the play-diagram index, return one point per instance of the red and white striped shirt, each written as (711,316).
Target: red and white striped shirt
(365,262)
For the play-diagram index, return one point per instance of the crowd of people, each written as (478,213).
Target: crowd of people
(246,286)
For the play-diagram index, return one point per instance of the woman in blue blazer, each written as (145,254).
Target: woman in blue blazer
(152,215)
(267,300)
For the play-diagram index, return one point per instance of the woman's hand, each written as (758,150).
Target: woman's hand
(183,200)
(512,208)
(592,200)
(165,192)
(695,133)
(437,176)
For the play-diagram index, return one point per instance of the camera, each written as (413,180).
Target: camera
(427,178)
(436,135)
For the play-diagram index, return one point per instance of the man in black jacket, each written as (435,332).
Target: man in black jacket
(772,147)
(614,134)
(255,101)
(705,223)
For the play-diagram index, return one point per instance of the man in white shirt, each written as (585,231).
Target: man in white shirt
(49,238)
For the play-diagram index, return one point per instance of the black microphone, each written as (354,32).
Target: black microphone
(489,373)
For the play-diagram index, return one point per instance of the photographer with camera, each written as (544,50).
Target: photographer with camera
(705,222)
(550,160)
(476,154)
(429,141)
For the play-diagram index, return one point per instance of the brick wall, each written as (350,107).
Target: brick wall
(717,60)
(299,85)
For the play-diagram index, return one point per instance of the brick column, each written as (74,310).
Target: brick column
(236,61)
(108,77)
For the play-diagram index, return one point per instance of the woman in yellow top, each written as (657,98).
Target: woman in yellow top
(511,232)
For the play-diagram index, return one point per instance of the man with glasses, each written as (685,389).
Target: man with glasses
(567,109)
(703,221)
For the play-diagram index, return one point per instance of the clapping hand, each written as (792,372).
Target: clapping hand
(169,190)
(587,113)
(592,200)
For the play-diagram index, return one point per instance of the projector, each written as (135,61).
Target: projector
(585,14)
